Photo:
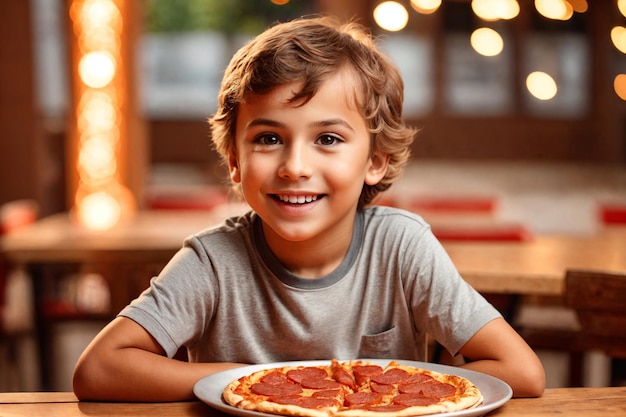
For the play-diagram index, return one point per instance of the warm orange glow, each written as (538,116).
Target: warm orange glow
(486,42)
(96,160)
(618,37)
(97,69)
(100,200)
(391,16)
(97,114)
(621,5)
(280,2)
(94,13)
(491,10)
(580,6)
(101,38)
(425,6)
(619,84)
(554,9)
(541,85)
(99,211)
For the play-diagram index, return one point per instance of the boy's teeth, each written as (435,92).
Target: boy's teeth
(297,199)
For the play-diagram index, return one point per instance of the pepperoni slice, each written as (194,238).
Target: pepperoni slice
(363,373)
(327,393)
(319,383)
(271,390)
(343,377)
(410,400)
(381,388)
(363,398)
(430,389)
(296,375)
(317,402)
(419,377)
(391,376)
(305,402)
(274,378)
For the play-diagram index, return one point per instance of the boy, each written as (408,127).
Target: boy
(309,122)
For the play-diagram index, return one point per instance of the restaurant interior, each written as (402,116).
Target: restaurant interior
(521,153)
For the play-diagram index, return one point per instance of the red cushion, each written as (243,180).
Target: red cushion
(454,204)
(510,233)
(613,214)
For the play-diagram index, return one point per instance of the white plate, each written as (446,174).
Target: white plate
(495,392)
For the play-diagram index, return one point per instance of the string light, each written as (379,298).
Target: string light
(619,84)
(391,16)
(541,85)
(554,9)
(618,37)
(100,198)
(425,6)
(486,41)
(492,10)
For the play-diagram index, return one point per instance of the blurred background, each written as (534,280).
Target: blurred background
(471,107)
(103,105)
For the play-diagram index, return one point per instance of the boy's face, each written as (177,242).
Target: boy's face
(302,167)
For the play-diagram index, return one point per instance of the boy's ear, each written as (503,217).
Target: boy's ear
(377,169)
(233,168)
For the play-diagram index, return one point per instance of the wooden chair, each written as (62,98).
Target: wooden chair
(599,301)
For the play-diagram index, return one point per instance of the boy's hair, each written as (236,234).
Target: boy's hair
(310,50)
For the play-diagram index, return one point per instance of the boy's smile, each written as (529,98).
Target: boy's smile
(302,168)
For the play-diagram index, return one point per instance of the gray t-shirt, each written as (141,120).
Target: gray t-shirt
(226,297)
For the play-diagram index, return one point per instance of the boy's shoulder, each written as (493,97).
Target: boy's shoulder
(392,215)
(394,221)
(229,228)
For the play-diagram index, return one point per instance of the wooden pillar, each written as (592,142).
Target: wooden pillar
(20,127)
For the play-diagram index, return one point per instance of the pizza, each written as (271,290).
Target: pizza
(352,388)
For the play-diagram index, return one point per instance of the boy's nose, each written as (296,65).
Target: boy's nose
(295,164)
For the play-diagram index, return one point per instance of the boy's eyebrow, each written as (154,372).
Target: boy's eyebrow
(264,122)
(331,122)
(320,123)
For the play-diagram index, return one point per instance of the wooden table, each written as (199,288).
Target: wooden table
(570,402)
(534,267)
(537,267)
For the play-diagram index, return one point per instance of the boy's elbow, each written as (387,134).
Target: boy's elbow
(80,383)
(85,380)
(532,383)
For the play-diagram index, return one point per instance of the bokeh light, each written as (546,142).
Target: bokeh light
(99,211)
(554,9)
(97,69)
(621,5)
(579,6)
(487,41)
(491,10)
(541,85)
(425,6)
(100,199)
(391,16)
(619,84)
(618,37)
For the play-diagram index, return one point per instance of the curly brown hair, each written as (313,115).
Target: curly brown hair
(309,50)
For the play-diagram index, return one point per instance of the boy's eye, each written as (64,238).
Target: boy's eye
(328,140)
(268,139)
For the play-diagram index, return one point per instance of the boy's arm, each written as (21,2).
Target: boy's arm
(125,363)
(498,350)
